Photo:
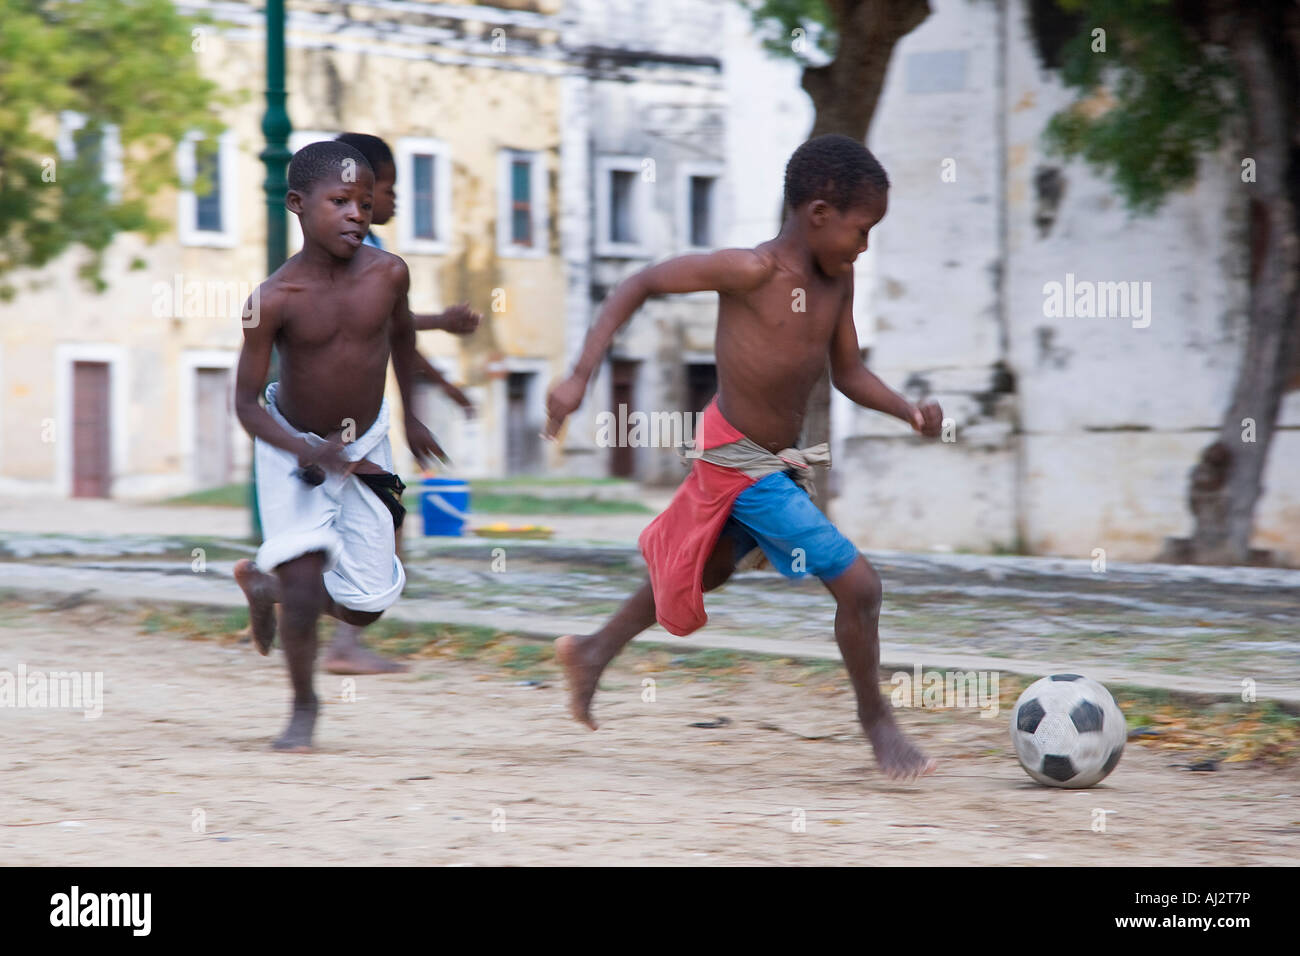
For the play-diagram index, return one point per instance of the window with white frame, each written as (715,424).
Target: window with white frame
(424,178)
(207,205)
(101,144)
(698,206)
(209,219)
(521,204)
(623,206)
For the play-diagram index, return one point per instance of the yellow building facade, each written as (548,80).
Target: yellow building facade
(127,393)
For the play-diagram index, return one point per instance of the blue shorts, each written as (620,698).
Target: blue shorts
(777,515)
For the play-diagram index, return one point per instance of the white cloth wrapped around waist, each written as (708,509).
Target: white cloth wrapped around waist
(353,450)
(341,517)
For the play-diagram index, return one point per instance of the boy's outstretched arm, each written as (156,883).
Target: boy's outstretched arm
(426,368)
(458,320)
(852,378)
(727,271)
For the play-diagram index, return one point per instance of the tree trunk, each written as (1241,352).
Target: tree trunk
(1228,479)
(844,93)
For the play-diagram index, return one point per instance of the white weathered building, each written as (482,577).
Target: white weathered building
(647,182)
(1072,432)
(689,118)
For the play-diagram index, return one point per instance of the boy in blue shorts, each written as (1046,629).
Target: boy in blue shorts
(785,309)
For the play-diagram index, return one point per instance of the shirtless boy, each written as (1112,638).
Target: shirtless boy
(785,309)
(328,499)
(347,653)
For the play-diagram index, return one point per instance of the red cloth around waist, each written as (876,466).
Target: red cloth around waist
(677,544)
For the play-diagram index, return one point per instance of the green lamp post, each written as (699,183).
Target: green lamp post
(276,155)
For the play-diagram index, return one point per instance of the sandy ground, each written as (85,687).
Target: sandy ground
(458,763)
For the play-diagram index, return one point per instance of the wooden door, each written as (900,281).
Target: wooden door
(213,455)
(91,448)
(622,377)
(523,430)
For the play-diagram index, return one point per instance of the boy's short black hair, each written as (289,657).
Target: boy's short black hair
(323,160)
(835,168)
(373,148)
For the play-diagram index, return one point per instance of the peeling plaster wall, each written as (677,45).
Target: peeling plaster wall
(1093,447)
(929,301)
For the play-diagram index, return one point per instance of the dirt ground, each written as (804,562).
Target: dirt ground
(463,763)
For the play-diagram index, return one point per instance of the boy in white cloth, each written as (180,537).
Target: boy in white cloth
(330,505)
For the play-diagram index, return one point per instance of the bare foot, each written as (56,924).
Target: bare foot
(347,655)
(581,677)
(296,738)
(262,591)
(360,660)
(898,757)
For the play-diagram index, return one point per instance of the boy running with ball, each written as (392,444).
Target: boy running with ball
(785,309)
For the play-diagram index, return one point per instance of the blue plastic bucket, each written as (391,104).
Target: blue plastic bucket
(444,506)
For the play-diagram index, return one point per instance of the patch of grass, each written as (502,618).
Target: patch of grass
(546,481)
(405,639)
(516,656)
(1258,732)
(718,661)
(194,622)
(223,496)
(527,657)
(475,640)
(486,503)
(810,670)
(710,658)
(484,497)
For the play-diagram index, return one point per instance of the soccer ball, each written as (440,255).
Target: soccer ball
(1068,731)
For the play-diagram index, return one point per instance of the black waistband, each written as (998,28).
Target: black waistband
(389,488)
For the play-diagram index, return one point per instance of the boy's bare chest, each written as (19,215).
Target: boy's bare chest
(796,315)
(348,318)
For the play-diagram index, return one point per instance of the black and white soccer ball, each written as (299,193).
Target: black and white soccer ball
(1068,731)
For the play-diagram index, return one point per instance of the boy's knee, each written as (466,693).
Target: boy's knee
(298,612)
(870,590)
(297,593)
(301,590)
(873,591)
(861,585)
(359,618)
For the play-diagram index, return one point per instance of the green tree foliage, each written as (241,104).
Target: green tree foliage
(1177,78)
(779,22)
(1168,97)
(132,64)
